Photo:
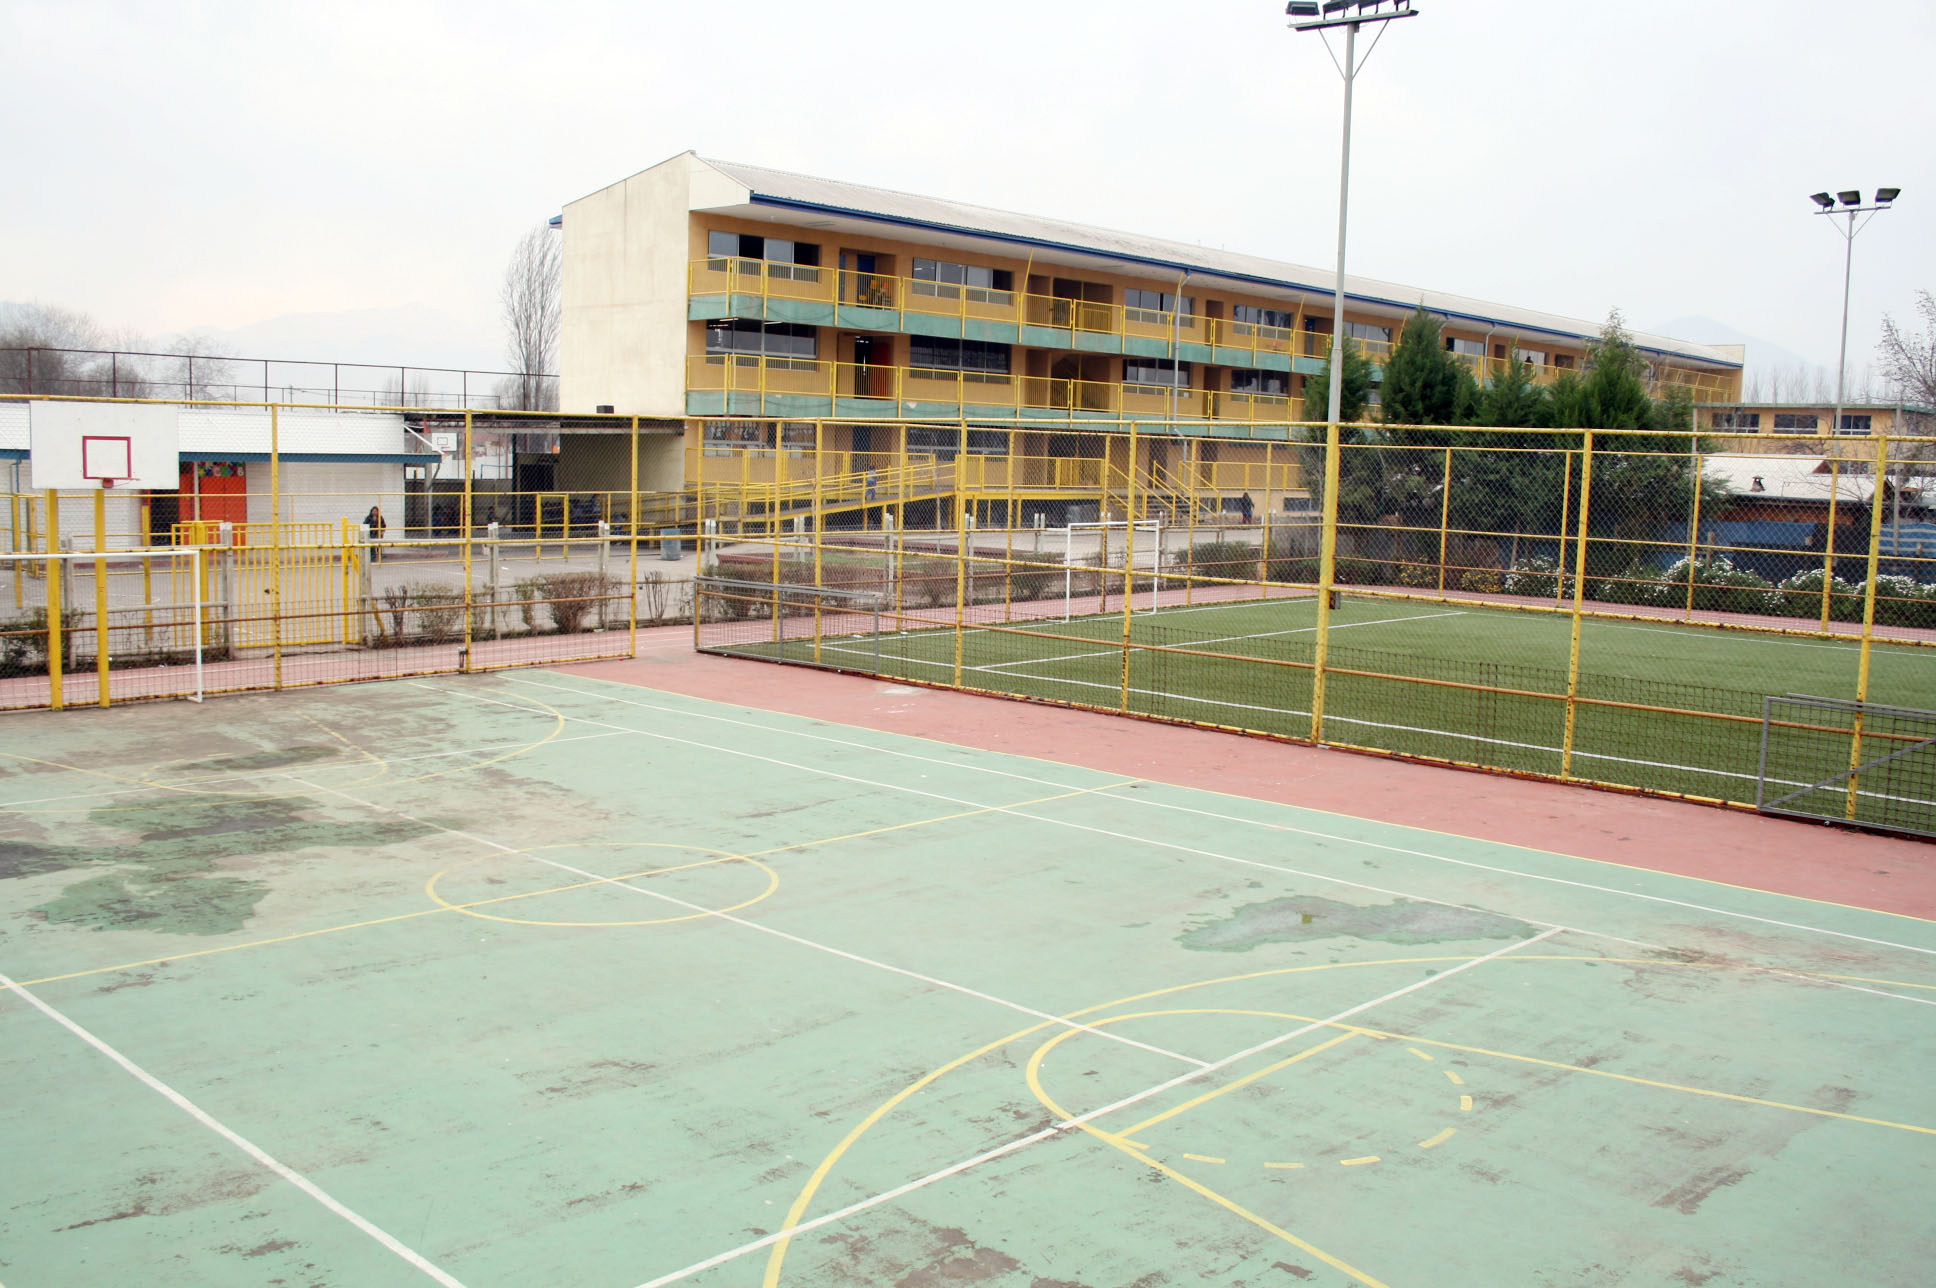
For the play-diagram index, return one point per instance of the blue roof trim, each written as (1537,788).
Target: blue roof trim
(556,221)
(793,203)
(397,458)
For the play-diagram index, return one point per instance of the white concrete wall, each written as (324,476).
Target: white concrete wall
(329,491)
(625,262)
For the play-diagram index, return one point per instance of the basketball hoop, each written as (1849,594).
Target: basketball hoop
(107,459)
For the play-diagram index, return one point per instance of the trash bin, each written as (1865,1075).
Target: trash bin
(670,547)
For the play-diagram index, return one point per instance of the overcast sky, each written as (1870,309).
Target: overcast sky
(182,166)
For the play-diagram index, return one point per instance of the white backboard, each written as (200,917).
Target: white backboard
(72,445)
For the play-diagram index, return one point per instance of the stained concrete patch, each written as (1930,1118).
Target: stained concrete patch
(276,758)
(1307,917)
(165,880)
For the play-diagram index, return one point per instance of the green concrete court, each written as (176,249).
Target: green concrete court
(534,979)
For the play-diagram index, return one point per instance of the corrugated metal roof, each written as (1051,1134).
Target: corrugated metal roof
(1787,478)
(221,433)
(783,187)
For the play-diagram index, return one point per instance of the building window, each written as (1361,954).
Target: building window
(785,259)
(1535,356)
(1796,422)
(978,360)
(1252,315)
(1260,384)
(1465,348)
(1736,420)
(1153,306)
(1368,331)
(780,344)
(949,281)
(1854,424)
(1160,372)
(943,442)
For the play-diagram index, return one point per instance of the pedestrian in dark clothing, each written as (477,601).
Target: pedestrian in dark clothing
(373,524)
(1244,506)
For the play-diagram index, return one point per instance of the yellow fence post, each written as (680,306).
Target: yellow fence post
(1445,513)
(1129,562)
(632,520)
(1828,544)
(1694,535)
(1868,621)
(275,540)
(1579,598)
(464,519)
(101,594)
(56,636)
(1327,574)
(961,578)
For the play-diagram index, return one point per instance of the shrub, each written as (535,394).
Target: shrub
(571,596)
(1903,601)
(528,591)
(1358,572)
(23,643)
(1718,586)
(1801,596)
(1639,583)
(440,611)
(1418,574)
(1231,560)
(1539,577)
(1482,581)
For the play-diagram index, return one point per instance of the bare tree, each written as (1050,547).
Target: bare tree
(1909,360)
(533,302)
(33,338)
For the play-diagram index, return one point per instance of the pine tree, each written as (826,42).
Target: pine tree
(1357,388)
(1424,384)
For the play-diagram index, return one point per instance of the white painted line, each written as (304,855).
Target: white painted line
(930,980)
(1070,1124)
(1312,832)
(242,1143)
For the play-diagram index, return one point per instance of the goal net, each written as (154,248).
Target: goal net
(71,622)
(1095,556)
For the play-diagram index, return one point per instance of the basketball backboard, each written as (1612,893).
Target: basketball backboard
(82,446)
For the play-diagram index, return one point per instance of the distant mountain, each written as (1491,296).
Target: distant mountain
(1762,355)
(409,335)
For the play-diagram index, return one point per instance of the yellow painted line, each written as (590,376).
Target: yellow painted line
(1285,1167)
(1465,1104)
(1457,1081)
(1420,1054)
(1205,1158)
(719,857)
(1188,1105)
(1033,1072)
(777,1257)
(1357,1162)
(1441,1138)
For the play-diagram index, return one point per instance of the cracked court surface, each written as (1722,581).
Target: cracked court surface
(538,979)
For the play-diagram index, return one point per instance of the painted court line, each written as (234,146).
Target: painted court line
(815,945)
(242,1143)
(1311,832)
(1080,1120)
(1222,639)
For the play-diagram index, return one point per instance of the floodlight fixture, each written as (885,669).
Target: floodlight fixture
(1852,202)
(1302,8)
(1309,15)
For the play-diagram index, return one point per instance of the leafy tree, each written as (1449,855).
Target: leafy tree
(1513,400)
(1424,384)
(1356,389)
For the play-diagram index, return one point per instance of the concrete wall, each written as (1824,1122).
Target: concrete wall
(329,491)
(603,463)
(625,255)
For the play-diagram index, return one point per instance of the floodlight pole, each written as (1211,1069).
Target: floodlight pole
(1334,412)
(1848,276)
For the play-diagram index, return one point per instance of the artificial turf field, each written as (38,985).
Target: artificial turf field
(534,979)
(1228,669)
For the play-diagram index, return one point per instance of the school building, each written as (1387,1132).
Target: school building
(717,299)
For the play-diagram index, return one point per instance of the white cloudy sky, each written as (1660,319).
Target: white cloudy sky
(179,166)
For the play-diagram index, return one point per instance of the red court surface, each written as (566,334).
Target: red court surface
(1886,873)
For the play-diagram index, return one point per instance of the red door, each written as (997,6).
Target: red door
(214,491)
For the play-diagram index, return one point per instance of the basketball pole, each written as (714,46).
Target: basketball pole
(101,593)
(56,607)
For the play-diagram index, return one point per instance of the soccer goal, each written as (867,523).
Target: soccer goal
(1100,546)
(86,627)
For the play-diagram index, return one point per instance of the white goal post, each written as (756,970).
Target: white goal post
(1115,543)
(136,621)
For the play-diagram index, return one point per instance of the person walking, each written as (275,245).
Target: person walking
(1244,506)
(373,525)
